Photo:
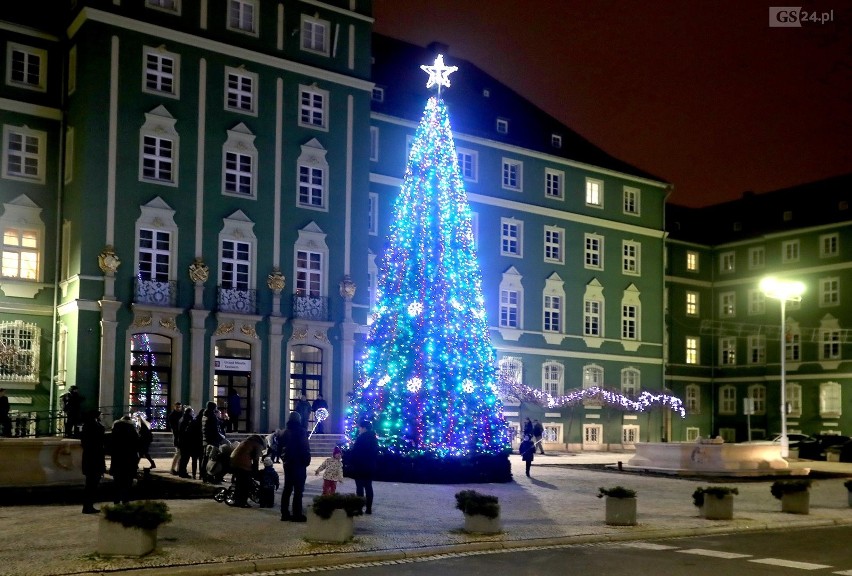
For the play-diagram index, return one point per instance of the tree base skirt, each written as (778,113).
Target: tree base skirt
(479,469)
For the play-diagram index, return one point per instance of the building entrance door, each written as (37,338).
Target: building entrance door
(150,377)
(232,389)
(305,376)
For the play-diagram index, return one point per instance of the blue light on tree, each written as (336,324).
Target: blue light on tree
(428,377)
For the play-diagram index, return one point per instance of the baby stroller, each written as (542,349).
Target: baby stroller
(227,495)
(219,461)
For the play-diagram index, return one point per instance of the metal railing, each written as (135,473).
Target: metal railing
(310,308)
(239,301)
(154,292)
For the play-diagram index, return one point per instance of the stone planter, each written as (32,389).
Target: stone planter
(117,540)
(620,511)
(338,528)
(716,508)
(796,502)
(479,524)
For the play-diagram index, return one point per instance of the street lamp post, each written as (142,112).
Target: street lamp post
(783,291)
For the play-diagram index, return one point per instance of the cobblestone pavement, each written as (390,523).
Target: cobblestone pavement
(557,505)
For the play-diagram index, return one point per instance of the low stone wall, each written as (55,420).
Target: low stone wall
(708,458)
(40,462)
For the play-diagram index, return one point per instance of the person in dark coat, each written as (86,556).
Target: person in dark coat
(5,421)
(124,461)
(527,451)
(213,435)
(72,405)
(363,456)
(538,432)
(296,455)
(528,428)
(146,437)
(235,410)
(318,404)
(190,441)
(245,463)
(303,407)
(94,463)
(173,423)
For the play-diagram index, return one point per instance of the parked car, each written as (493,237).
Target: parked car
(842,451)
(793,439)
(816,449)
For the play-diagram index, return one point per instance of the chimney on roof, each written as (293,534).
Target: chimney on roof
(438,48)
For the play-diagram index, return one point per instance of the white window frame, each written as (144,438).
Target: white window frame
(692,261)
(25,339)
(378,94)
(556,140)
(631,258)
(237,228)
(158,73)
(170,6)
(312,162)
(160,126)
(239,9)
(757,393)
(553,305)
(554,244)
(554,184)
(693,350)
(728,351)
(629,434)
(830,339)
(829,292)
(502,126)
(593,375)
(511,298)
(239,146)
(594,193)
(728,400)
(727,262)
(593,251)
(793,342)
(21,218)
(829,245)
(373,214)
(313,108)
(830,400)
(312,240)
(693,433)
(756,349)
(468,164)
(158,218)
(631,379)
(29,53)
(631,314)
(692,398)
(593,313)
(790,251)
(692,303)
(240,91)
(512,175)
(756,302)
(631,201)
(511,237)
(374,144)
(794,399)
(22,152)
(553,378)
(309,42)
(756,257)
(728,304)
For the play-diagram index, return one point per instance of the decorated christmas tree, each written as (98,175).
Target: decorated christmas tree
(429,378)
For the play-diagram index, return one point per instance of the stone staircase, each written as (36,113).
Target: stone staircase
(321,444)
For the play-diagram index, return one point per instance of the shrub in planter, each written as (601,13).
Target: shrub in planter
(715,502)
(144,514)
(698,497)
(473,503)
(616,492)
(325,505)
(780,488)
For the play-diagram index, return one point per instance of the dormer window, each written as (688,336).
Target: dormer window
(502,126)
(556,140)
(378,94)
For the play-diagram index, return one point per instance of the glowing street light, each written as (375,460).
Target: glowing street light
(783,291)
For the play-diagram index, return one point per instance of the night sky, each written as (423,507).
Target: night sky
(703,94)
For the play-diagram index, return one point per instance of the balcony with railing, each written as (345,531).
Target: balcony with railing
(311,308)
(154,292)
(237,301)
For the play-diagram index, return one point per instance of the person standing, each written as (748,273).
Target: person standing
(173,423)
(332,470)
(319,404)
(527,451)
(364,454)
(538,432)
(72,404)
(124,460)
(191,442)
(245,462)
(94,463)
(235,409)
(5,421)
(303,407)
(213,435)
(146,437)
(296,455)
(528,428)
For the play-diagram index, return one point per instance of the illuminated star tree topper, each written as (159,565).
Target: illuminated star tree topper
(439,75)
